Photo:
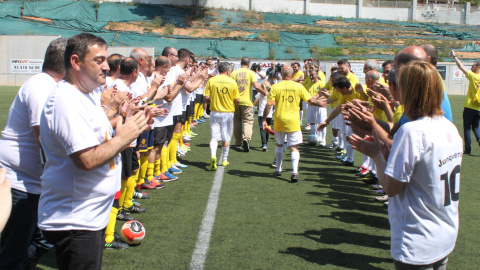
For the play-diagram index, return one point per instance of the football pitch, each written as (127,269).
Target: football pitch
(328,220)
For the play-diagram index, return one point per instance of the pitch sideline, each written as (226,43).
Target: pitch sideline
(199,255)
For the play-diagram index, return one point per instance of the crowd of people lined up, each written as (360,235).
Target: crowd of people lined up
(90,135)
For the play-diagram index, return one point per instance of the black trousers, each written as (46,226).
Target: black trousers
(77,249)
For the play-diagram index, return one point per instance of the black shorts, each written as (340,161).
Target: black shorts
(159,135)
(301,105)
(180,118)
(129,161)
(199,98)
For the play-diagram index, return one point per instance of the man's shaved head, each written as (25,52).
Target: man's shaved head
(287,70)
(407,55)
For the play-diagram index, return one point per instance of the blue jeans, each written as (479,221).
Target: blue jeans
(18,232)
(471,120)
(263,133)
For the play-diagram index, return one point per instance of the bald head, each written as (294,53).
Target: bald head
(407,55)
(287,72)
(371,77)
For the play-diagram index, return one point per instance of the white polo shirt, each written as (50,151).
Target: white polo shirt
(72,198)
(20,152)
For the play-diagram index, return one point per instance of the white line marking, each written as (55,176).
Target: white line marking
(199,255)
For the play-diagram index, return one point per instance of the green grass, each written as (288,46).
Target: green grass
(326,221)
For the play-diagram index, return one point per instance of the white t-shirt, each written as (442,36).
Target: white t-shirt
(426,154)
(20,152)
(259,78)
(171,79)
(140,86)
(262,102)
(72,198)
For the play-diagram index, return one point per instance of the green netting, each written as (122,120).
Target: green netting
(470,48)
(11,9)
(292,18)
(20,27)
(118,12)
(299,40)
(61,10)
(461,35)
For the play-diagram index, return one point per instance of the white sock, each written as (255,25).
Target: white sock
(225,153)
(335,140)
(366,162)
(279,157)
(295,159)
(213,148)
(301,116)
(349,152)
(313,129)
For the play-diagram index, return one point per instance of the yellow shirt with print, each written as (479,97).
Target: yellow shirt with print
(313,90)
(244,78)
(473,86)
(223,91)
(287,95)
(343,99)
(332,90)
(297,75)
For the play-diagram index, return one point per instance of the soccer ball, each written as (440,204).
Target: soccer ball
(132,232)
(312,139)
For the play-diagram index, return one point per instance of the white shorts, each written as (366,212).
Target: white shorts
(293,138)
(221,126)
(316,115)
(337,122)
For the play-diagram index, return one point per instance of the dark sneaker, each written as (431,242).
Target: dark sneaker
(346,163)
(116,245)
(145,186)
(246,146)
(363,173)
(331,146)
(140,195)
(117,236)
(294,178)
(370,181)
(135,209)
(274,165)
(124,216)
(277,173)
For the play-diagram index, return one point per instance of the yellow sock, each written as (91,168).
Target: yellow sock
(123,191)
(195,111)
(131,183)
(110,230)
(172,148)
(150,167)
(164,159)
(156,169)
(180,138)
(142,170)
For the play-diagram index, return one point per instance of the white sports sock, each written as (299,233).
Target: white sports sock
(213,148)
(301,116)
(366,162)
(295,159)
(279,157)
(313,129)
(335,140)
(225,153)
(349,152)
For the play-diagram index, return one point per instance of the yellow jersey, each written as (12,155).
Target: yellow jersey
(223,91)
(244,78)
(353,79)
(474,83)
(398,114)
(287,95)
(297,75)
(308,82)
(343,99)
(313,90)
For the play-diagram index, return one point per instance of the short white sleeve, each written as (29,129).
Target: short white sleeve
(406,152)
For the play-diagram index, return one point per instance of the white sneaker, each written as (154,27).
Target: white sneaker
(307,127)
(206,116)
